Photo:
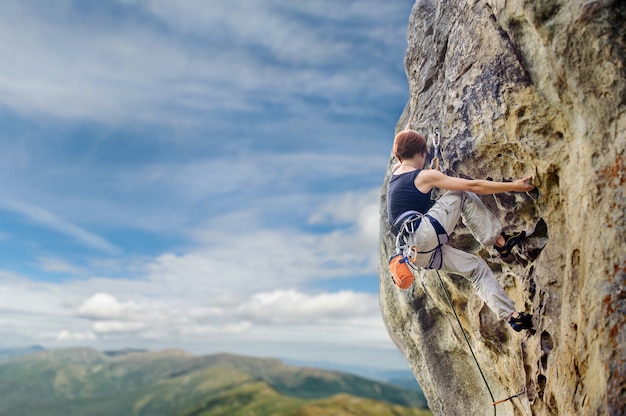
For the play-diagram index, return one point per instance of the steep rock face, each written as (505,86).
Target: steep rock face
(520,87)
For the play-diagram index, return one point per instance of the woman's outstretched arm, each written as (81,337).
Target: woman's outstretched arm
(431,178)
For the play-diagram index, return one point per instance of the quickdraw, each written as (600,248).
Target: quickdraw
(434,163)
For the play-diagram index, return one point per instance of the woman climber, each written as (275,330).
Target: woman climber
(408,203)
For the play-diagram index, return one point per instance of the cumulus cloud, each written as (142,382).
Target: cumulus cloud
(233,282)
(106,306)
(194,313)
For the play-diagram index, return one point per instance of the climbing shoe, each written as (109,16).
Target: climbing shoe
(510,241)
(523,321)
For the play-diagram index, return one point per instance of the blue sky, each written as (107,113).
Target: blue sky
(197,174)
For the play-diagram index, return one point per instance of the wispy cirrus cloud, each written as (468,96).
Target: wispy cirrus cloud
(49,220)
(56,265)
(123,71)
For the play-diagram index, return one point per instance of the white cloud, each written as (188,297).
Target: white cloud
(293,307)
(235,281)
(114,72)
(106,306)
(69,336)
(117,327)
(193,314)
(129,72)
(201,330)
(47,219)
(161,198)
(368,222)
(29,298)
(278,27)
(56,265)
(207,312)
(259,260)
(345,208)
(244,270)
(360,210)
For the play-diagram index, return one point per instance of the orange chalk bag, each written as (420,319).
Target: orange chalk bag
(400,271)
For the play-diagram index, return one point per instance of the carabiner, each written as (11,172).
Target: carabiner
(437,138)
(434,163)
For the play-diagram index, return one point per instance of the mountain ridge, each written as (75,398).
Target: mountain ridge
(85,381)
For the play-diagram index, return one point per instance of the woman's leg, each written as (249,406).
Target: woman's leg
(476,271)
(481,222)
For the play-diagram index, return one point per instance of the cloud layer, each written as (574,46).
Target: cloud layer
(200,175)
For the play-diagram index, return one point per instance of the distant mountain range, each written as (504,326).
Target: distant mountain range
(84,381)
(400,378)
(16,352)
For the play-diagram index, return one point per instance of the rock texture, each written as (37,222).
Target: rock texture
(521,87)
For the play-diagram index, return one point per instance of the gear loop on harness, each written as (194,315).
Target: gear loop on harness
(410,221)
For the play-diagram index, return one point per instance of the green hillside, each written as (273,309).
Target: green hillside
(88,382)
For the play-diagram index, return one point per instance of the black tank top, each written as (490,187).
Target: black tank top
(402,196)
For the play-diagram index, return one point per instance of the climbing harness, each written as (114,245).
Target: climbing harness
(406,252)
(409,221)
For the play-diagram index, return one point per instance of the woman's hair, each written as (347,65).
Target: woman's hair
(407,144)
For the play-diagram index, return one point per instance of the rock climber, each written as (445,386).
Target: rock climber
(409,190)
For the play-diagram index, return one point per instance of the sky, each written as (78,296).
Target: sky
(198,174)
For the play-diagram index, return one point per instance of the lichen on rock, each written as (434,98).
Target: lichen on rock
(522,88)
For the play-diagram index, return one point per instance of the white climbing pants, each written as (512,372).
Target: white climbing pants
(484,226)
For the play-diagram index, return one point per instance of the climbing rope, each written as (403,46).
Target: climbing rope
(445,291)
(434,164)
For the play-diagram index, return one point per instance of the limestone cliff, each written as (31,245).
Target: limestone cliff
(521,87)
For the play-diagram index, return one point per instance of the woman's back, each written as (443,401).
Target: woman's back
(402,195)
